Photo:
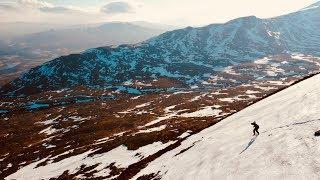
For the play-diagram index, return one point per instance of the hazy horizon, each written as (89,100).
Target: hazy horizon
(176,13)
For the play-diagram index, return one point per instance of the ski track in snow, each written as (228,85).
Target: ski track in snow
(285,149)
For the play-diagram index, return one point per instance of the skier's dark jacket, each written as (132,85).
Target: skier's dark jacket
(255,125)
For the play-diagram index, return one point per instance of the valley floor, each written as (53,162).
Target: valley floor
(195,132)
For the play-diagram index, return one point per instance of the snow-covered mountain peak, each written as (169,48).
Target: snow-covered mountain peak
(246,19)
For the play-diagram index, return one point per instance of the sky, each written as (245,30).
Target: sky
(169,12)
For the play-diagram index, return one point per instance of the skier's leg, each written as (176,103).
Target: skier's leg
(258,131)
(254,131)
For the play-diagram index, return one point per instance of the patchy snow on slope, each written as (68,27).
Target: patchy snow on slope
(159,119)
(194,87)
(102,140)
(230,70)
(160,128)
(251,92)
(136,107)
(196,98)
(128,83)
(262,61)
(265,88)
(48,146)
(274,34)
(285,149)
(204,112)
(138,83)
(218,93)
(168,114)
(78,118)
(50,121)
(276,82)
(142,105)
(304,57)
(135,97)
(169,109)
(274,70)
(298,56)
(185,134)
(49,130)
(121,156)
(231,99)
(120,133)
(182,92)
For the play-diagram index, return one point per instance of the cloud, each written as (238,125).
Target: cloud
(34,3)
(24,5)
(8,7)
(46,7)
(117,8)
(58,9)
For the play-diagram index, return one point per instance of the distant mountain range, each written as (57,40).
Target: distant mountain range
(190,55)
(11,30)
(77,37)
(83,38)
(26,45)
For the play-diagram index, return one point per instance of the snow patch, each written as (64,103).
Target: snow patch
(50,121)
(49,131)
(185,134)
(204,112)
(160,128)
(262,61)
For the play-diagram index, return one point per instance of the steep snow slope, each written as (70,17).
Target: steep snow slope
(285,149)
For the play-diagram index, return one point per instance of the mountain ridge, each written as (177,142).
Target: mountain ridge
(188,54)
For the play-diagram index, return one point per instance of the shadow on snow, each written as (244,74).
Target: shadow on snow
(253,139)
